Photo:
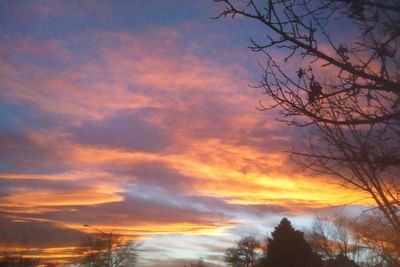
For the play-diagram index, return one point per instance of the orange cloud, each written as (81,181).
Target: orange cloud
(60,255)
(26,198)
(239,173)
(153,228)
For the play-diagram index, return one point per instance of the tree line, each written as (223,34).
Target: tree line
(365,241)
(330,243)
(102,249)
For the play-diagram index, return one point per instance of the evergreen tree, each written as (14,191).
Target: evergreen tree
(288,248)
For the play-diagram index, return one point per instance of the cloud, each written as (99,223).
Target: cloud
(124,131)
(29,234)
(123,75)
(30,151)
(136,216)
(44,195)
(140,133)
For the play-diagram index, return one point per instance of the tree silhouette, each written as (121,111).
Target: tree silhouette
(17,258)
(376,236)
(341,261)
(349,111)
(108,250)
(368,239)
(244,254)
(288,248)
(331,238)
(18,262)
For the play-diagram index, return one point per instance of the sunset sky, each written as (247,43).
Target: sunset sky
(136,117)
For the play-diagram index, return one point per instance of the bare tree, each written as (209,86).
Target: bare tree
(244,254)
(374,233)
(346,96)
(17,258)
(368,239)
(332,238)
(108,250)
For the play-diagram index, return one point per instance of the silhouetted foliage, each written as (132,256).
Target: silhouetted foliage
(17,258)
(341,261)
(10,261)
(352,107)
(368,239)
(245,253)
(108,250)
(288,248)
(331,238)
(375,234)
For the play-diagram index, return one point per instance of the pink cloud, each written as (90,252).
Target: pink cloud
(128,75)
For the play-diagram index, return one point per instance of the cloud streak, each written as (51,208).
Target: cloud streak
(137,131)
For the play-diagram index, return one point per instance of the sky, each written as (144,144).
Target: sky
(137,118)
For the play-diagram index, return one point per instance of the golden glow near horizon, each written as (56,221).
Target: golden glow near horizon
(237,174)
(59,255)
(150,228)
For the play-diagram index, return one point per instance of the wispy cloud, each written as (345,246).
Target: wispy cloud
(140,133)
